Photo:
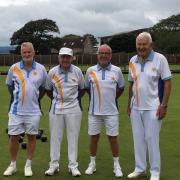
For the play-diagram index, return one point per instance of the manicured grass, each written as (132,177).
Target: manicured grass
(84,67)
(170,145)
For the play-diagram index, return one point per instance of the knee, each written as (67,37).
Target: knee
(14,138)
(31,137)
(150,138)
(95,138)
(112,139)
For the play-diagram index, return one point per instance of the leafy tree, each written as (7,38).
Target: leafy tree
(123,43)
(167,35)
(40,32)
(171,23)
(71,36)
(167,42)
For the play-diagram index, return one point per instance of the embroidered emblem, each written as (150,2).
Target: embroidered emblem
(73,80)
(34,73)
(154,69)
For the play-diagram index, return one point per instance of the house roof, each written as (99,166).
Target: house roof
(73,43)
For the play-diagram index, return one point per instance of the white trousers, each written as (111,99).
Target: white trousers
(72,123)
(146,128)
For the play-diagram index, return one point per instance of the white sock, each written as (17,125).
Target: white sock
(116,160)
(28,162)
(13,163)
(93,159)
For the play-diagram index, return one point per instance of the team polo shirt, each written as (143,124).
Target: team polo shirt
(25,85)
(65,86)
(146,78)
(103,84)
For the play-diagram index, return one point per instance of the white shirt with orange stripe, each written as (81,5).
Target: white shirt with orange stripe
(145,78)
(65,87)
(103,84)
(25,85)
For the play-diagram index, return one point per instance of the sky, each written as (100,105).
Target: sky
(97,17)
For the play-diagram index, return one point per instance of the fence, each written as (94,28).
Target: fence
(119,59)
(50,60)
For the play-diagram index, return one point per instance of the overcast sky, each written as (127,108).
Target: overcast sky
(97,17)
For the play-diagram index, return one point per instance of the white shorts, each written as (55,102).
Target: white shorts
(18,124)
(111,123)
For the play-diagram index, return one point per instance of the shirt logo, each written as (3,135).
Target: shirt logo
(74,80)
(34,73)
(113,78)
(154,69)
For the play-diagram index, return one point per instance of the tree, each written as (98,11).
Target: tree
(172,23)
(41,33)
(167,35)
(123,43)
(167,42)
(71,36)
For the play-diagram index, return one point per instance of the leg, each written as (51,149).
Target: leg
(93,144)
(139,140)
(112,131)
(13,146)
(31,124)
(94,129)
(152,130)
(73,123)
(15,127)
(93,150)
(114,145)
(31,146)
(56,123)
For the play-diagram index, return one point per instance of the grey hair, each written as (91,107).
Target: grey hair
(105,45)
(27,44)
(145,35)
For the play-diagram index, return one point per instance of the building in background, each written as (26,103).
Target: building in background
(80,45)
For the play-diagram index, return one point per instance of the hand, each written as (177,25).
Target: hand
(129,111)
(161,112)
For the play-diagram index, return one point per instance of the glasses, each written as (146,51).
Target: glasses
(104,53)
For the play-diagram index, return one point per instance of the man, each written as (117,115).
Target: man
(145,108)
(65,86)
(26,82)
(105,83)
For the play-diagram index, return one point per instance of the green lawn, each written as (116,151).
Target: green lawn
(170,145)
